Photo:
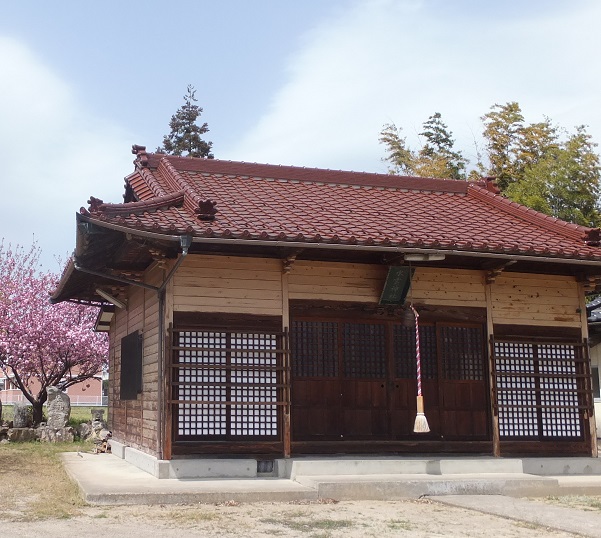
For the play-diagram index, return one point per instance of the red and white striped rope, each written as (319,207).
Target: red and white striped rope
(417,353)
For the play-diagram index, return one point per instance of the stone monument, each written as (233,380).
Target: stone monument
(58,408)
(22,414)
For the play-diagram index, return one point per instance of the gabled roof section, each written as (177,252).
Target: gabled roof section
(227,200)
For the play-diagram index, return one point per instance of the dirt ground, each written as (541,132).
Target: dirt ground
(38,499)
(357,519)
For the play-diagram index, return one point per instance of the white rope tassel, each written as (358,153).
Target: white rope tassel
(421,423)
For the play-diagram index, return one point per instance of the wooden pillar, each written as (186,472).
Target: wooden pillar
(164,384)
(286,268)
(590,415)
(496,441)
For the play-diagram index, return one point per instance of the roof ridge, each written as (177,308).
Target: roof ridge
(170,173)
(152,182)
(567,229)
(306,174)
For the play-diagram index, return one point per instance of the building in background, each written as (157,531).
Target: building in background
(87,392)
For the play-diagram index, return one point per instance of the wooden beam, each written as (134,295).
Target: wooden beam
(496,445)
(286,268)
(592,423)
(494,269)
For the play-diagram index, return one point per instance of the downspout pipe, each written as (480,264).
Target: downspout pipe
(185,242)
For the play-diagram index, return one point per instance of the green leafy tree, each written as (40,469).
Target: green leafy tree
(436,158)
(185,136)
(536,164)
(564,182)
(539,166)
(536,142)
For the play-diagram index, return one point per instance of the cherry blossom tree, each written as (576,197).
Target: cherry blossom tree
(41,344)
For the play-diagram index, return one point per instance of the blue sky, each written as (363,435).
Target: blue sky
(303,83)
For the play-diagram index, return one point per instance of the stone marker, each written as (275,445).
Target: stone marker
(22,413)
(97,415)
(58,408)
(84,430)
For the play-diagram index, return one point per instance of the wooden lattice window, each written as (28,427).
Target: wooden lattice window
(227,384)
(516,389)
(314,346)
(559,391)
(462,351)
(254,379)
(542,389)
(404,352)
(202,376)
(364,350)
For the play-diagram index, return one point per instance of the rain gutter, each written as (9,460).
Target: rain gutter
(338,246)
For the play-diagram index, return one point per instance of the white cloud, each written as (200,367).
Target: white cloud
(385,61)
(55,154)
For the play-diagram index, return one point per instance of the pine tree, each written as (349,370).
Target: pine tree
(438,149)
(185,136)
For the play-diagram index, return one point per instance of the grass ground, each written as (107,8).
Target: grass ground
(34,483)
(79,414)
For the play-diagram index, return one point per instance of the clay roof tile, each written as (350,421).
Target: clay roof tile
(285,203)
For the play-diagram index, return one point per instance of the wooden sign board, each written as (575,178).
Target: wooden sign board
(396,286)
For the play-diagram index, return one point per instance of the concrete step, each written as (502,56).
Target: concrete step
(390,487)
(341,466)
(108,480)
(396,466)
(562,466)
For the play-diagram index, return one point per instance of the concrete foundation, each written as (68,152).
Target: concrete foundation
(332,471)
(186,468)
(107,479)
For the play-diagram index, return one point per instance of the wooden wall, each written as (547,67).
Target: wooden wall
(536,300)
(595,354)
(228,284)
(135,422)
(336,282)
(254,285)
(363,283)
(240,285)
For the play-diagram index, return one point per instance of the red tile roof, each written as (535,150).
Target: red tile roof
(284,203)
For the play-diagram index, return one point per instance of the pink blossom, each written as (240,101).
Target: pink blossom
(51,344)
